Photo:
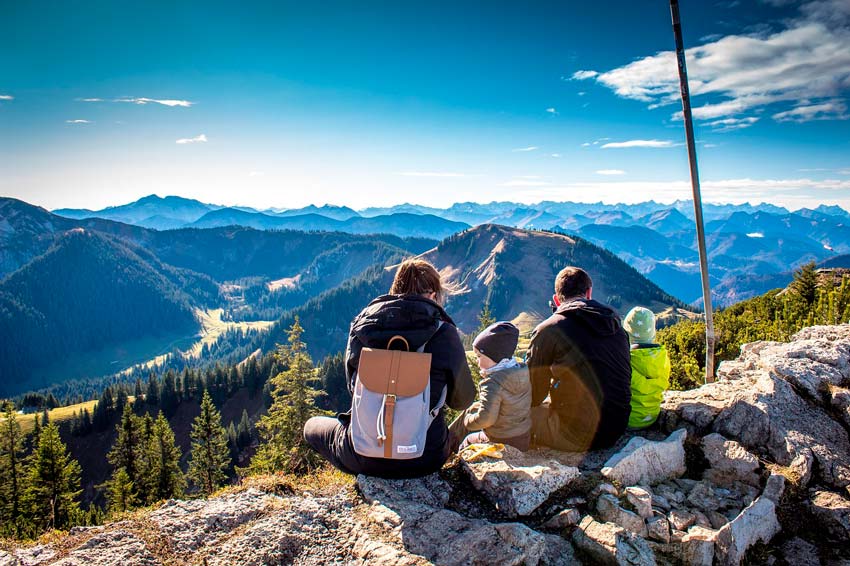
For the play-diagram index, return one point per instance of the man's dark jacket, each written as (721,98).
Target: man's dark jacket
(417,319)
(580,355)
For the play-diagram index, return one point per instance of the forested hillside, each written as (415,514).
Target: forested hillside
(86,292)
(814,297)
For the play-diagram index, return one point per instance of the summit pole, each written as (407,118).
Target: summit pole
(692,161)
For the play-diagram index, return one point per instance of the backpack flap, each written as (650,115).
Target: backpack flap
(388,380)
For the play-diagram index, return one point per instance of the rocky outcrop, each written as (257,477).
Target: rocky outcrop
(753,468)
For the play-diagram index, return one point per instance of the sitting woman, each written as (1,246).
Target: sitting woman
(413,311)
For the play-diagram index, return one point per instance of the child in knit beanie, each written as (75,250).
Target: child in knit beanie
(503,412)
(650,368)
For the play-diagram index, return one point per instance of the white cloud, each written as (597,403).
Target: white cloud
(256,174)
(610,172)
(804,64)
(529,148)
(554,155)
(164,102)
(431,174)
(90,99)
(77,122)
(196,139)
(552,111)
(829,110)
(585,144)
(755,235)
(582,75)
(728,124)
(639,143)
(6,97)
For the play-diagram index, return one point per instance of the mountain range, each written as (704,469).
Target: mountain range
(73,289)
(748,244)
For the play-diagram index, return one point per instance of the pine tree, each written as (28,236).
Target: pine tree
(168,395)
(126,455)
(163,458)
(12,484)
(209,457)
(806,282)
(152,392)
(282,444)
(53,482)
(243,431)
(122,492)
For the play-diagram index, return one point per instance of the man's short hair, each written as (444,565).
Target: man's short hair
(572,282)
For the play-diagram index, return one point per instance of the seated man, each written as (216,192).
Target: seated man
(579,358)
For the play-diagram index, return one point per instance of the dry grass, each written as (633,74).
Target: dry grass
(57,415)
(325,481)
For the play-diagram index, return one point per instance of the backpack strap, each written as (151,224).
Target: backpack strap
(442,402)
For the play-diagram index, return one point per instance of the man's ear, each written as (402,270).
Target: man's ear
(589,293)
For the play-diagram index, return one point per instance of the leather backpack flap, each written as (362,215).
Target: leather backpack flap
(404,374)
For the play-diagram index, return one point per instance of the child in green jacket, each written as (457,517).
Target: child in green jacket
(650,368)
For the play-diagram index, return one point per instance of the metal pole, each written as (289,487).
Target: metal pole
(692,160)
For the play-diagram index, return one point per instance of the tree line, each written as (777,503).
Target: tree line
(40,480)
(813,297)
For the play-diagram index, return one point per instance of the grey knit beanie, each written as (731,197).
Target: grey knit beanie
(498,341)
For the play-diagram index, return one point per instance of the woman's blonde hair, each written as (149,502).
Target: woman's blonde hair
(417,277)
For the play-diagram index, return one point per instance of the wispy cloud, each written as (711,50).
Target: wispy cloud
(200,138)
(529,148)
(727,124)
(552,111)
(554,155)
(164,102)
(610,172)
(582,75)
(6,97)
(586,144)
(432,174)
(77,121)
(639,143)
(805,65)
(90,100)
(829,110)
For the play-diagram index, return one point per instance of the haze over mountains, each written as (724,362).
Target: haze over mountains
(752,248)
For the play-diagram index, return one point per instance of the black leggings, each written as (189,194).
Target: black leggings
(329,437)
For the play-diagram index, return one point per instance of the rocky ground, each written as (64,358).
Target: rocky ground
(754,468)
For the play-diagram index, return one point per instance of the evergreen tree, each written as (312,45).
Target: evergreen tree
(152,392)
(168,395)
(126,455)
(806,282)
(12,483)
(243,431)
(209,457)
(282,444)
(163,457)
(337,397)
(53,482)
(121,492)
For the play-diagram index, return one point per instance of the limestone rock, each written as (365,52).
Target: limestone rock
(756,523)
(698,546)
(517,483)
(7,559)
(610,511)
(729,461)
(200,522)
(658,528)
(429,490)
(832,511)
(115,548)
(566,518)
(646,462)
(641,499)
(681,520)
(607,543)
(764,409)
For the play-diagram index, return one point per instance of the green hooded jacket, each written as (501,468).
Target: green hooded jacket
(650,378)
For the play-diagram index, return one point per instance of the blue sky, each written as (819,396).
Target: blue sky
(283,104)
